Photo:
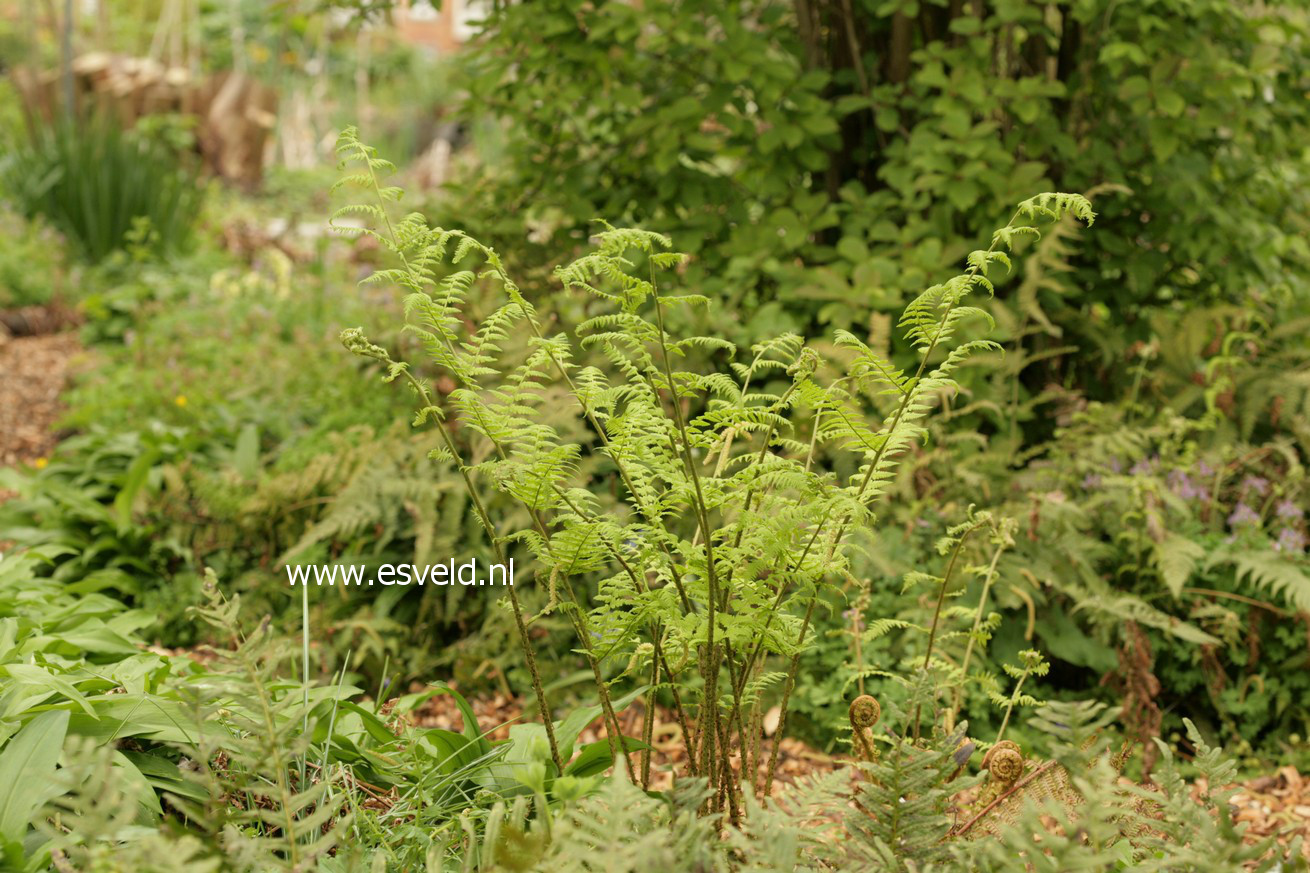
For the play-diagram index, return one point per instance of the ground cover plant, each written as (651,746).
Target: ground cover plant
(816,569)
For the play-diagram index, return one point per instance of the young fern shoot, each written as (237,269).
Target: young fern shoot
(703,559)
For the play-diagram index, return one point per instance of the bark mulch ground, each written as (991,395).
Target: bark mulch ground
(1279,803)
(496,713)
(33,371)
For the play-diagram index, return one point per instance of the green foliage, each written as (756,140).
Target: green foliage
(69,645)
(901,818)
(96,825)
(896,815)
(826,158)
(276,818)
(72,666)
(716,507)
(1123,516)
(1205,548)
(28,767)
(219,428)
(103,188)
(30,272)
(669,584)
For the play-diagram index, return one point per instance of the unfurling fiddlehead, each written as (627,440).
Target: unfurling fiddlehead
(864,713)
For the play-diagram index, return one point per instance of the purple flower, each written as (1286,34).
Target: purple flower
(1116,466)
(1091,482)
(1288,509)
(1203,469)
(1258,484)
(1183,485)
(1243,514)
(1290,540)
(1145,466)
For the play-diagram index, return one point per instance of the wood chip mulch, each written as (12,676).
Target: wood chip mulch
(1278,804)
(33,371)
(795,758)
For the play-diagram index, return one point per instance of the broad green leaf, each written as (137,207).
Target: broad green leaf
(567,730)
(595,758)
(42,680)
(27,766)
(133,482)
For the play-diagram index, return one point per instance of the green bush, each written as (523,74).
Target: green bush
(823,159)
(104,188)
(1161,538)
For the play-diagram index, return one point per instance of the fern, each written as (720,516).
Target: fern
(1269,570)
(252,768)
(726,531)
(98,815)
(1177,558)
(901,810)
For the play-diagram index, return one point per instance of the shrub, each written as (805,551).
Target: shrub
(824,159)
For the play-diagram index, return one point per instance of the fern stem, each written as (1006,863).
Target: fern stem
(729,779)
(617,747)
(786,699)
(990,576)
(941,597)
(529,653)
(1009,709)
(907,399)
(480,509)
(687,737)
(1240,598)
(711,670)
(648,723)
(937,615)
(304,671)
